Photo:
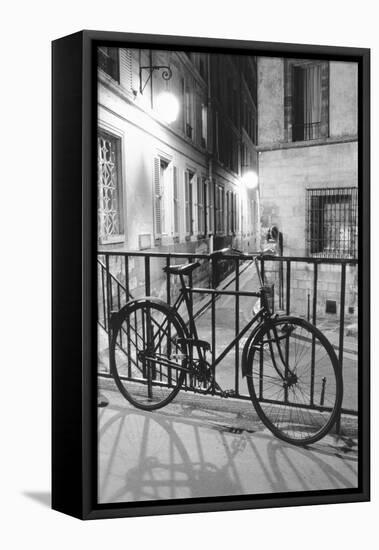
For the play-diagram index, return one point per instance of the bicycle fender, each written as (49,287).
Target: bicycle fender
(246,349)
(132,304)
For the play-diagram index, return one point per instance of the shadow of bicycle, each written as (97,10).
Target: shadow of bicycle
(153,456)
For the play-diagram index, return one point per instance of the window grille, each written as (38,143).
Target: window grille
(332,222)
(109,188)
(108,60)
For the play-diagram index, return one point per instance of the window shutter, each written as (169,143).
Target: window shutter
(211,206)
(157,199)
(126,69)
(186,201)
(176,200)
(200,206)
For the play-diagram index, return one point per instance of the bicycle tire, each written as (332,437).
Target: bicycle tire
(284,405)
(143,340)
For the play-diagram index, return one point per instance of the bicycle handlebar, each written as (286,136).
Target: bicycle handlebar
(235,252)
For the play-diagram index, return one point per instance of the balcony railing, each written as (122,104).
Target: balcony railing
(300,289)
(306,132)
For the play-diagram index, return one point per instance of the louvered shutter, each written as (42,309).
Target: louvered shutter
(200,206)
(157,200)
(176,201)
(126,68)
(186,202)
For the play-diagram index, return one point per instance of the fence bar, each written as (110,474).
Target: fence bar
(103,296)
(109,299)
(288,290)
(342,330)
(168,281)
(213,321)
(147,275)
(314,320)
(251,256)
(126,267)
(237,327)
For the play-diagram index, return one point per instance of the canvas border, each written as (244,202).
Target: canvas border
(74,408)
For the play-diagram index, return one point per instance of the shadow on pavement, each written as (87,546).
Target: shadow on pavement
(168,455)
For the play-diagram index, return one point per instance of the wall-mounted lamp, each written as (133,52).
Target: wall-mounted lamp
(250,179)
(166,74)
(167,107)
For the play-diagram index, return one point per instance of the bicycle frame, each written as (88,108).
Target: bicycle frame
(185,296)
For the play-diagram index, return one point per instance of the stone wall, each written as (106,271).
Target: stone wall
(301,287)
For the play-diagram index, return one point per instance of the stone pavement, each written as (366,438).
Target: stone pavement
(203,447)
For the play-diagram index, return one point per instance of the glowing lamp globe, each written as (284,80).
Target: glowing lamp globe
(250,179)
(167,107)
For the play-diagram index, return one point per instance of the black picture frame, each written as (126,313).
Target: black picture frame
(74,408)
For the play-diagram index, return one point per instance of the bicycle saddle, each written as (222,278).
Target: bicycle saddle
(182,269)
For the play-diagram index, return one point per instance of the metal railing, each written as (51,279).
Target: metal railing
(306,131)
(123,276)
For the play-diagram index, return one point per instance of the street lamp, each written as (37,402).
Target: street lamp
(167,107)
(250,179)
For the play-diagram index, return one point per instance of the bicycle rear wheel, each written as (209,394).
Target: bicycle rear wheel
(294,380)
(146,360)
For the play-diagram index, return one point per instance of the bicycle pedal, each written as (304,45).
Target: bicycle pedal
(229,393)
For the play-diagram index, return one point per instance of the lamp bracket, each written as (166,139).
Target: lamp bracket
(166,74)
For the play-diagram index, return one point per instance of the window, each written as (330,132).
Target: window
(306,106)
(108,61)
(306,99)
(161,221)
(188,114)
(332,222)
(204,125)
(203,66)
(188,194)
(110,223)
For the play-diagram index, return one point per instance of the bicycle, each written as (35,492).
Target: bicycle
(292,371)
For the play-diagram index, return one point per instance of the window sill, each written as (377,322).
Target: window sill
(114,239)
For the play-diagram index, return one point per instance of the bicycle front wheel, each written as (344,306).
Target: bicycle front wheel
(294,380)
(146,359)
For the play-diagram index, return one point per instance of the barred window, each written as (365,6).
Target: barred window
(333,222)
(108,60)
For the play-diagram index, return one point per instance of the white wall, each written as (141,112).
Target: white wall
(27,30)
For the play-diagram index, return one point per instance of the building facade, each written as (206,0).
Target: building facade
(308,167)
(177,184)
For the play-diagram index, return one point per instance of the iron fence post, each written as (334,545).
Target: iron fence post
(341,334)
